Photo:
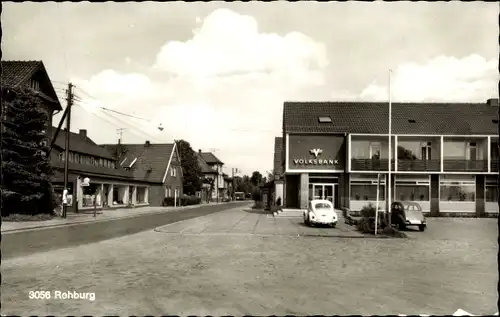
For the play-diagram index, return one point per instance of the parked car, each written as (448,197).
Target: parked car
(320,211)
(404,214)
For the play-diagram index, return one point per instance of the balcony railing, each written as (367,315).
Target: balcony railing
(419,165)
(494,165)
(465,165)
(370,164)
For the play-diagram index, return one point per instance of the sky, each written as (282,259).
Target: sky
(217,74)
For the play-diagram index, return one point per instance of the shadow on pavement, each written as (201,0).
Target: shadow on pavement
(257,211)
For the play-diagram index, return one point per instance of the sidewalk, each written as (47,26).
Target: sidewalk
(88,217)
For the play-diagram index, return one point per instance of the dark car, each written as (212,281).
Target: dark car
(404,214)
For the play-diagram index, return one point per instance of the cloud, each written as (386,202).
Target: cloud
(113,84)
(229,43)
(443,78)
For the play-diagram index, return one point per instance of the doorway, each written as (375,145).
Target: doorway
(323,191)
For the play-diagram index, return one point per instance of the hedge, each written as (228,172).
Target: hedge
(183,201)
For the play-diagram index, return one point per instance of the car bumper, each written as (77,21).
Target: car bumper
(323,222)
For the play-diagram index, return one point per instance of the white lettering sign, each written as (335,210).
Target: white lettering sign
(315,162)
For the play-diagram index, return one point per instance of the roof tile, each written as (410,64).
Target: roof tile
(372,117)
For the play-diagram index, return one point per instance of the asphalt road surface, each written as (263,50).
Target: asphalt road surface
(29,242)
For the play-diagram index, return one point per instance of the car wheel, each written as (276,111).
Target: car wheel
(333,225)
(402,226)
(421,227)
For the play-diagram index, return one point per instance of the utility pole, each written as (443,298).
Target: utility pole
(388,183)
(66,150)
(234,171)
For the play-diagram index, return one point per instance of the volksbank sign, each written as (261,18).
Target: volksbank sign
(315,161)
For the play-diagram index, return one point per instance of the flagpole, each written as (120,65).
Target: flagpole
(389,182)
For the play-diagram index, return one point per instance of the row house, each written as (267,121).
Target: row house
(443,155)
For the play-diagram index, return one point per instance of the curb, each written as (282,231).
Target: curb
(9,231)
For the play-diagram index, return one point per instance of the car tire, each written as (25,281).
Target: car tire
(421,227)
(333,225)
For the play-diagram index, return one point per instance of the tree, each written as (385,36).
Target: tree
(190,168)
(256,178)
(26,186)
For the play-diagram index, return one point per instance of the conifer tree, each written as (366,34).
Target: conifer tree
(26,171)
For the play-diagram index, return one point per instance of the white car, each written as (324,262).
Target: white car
(320,212)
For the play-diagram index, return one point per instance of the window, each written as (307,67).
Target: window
(364,187)
(168,191)
(77,158)
(491,189)
(471,151)
(61,156)
(71,157)
(92,160)
(375,149)
(173,171)
(426,151)
(406,191)
(325,119)
(34,84)
(457,188)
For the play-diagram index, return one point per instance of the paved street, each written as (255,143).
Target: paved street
(238,262)
(27,242)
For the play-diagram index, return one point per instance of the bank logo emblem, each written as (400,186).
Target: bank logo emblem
(316,152)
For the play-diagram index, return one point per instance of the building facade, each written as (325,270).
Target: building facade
(443,156)
(212,168)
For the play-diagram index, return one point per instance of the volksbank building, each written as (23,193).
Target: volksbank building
(444,155)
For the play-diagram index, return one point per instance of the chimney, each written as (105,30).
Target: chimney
(83,133)
(146,144)
(199,151)
(492,102)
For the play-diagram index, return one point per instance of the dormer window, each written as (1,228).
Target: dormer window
(412,121)
(34,84)
(325,119)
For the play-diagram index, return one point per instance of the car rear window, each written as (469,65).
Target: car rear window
(322,206)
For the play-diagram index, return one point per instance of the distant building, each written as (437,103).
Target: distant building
(211,167)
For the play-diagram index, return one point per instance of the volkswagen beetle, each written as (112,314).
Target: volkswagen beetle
(320,211)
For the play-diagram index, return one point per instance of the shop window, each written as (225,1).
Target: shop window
(457,188)
(367,191)
(491,189)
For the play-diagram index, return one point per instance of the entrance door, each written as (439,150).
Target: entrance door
(324,191)
(317,191)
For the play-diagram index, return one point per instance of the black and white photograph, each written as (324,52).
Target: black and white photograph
(250,158)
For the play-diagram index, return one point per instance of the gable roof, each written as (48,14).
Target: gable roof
(151,163)
(210,158)
(278,154)
(80,144)
(372,117)
(205,169)
(18,73)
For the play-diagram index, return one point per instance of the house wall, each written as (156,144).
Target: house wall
(156,195)
(174,182)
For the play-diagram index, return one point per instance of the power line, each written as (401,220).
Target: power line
(144,134)
(124,122)
(110,122)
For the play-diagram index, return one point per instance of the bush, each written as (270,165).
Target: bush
(256,195)
(183,201)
